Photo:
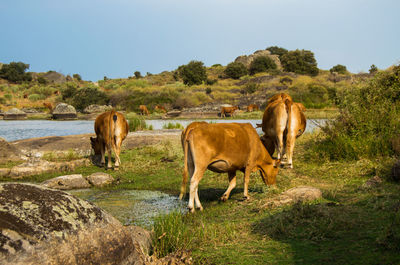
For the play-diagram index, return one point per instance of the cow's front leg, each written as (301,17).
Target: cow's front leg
(232,184)
(194,182)
(246,177)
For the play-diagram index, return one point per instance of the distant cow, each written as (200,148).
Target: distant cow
(160,108)
(283,121)
(229,110)
(225,147)
(49,105)
(252,107)
(143,110)
(111,129)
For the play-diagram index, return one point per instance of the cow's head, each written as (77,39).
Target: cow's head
(96,145)
(269,171)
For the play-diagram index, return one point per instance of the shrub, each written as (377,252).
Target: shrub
(262,64)
(208,90)
(138,75)
(138,123)
(77,77)
(250,88)
(373,69)
(87,96)
(300,61)
(69,91)
(35,97)
(235,70)
(211,82)
(8,96)
(194,73)
(216,65)
(15,72)
(111,86)
(277,50)
(3,100)
(171,125)
(368,120)
(286,80)
(42,80)
(340,69)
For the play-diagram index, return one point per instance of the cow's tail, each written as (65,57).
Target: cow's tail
(185,174)
(111,134)
(288,106)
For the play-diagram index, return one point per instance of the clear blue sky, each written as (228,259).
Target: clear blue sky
(114,38)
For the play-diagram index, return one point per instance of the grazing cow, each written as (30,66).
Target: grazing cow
(225,147)
(184,136)
(160,108)
(252,107)
(282,123)
(229,110)
(111,129)
(143,110)
(49,105)
(25,95)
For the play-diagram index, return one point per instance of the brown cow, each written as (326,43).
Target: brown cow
(111,129)
(252,107)
(160,108)
(282,123)
(49,105)
(143,110)
(229,110)
(184,136)
(226,147)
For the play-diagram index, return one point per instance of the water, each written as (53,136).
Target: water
(17,130)
(132,207)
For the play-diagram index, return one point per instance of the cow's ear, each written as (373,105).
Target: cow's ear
(277,162)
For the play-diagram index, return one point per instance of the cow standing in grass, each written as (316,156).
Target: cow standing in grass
(225,147)
(111,129)
(228,110)
(143,110)
(160,108)
(252,107)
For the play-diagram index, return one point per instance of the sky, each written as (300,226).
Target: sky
(115,38)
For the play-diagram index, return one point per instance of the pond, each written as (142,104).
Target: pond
(132,207)
(18,130)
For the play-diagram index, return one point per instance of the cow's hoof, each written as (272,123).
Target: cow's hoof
(282,165)
(200,208)
(224,198)
(290,166)
(246,198)
(191,210)
(116,168)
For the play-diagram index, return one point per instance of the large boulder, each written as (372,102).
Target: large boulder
(293,195)
(100,179)
(64,111)
(67,182)
(8,152)
(44,226)
(96,109)
(247,59)
(14,114)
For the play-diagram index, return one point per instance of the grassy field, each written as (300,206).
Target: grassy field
(352,224)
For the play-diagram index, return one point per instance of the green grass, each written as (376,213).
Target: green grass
(350,225)
(171,125)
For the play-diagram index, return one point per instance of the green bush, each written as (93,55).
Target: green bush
(35,97)
(277,50)
(3,100)
(87,96)
(171,125)
(77,77)
(250,88)
(69,91)
(111,86)
(194,73)
(373,69)
(235,70)
(262,64)
(138,74)
(211,82)
(8,96)
(300,62)
(15,72)
(138,123)
(368,121)
(340,69)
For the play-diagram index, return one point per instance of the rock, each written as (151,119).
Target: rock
(100,179)
(97,109)
(64,111)
(14,114)
(27,110)
(173,113)
(67,182)
(372,182)
(54,77)
(294,195)
(247,59)
(8,152)
(38,166)
(44,226)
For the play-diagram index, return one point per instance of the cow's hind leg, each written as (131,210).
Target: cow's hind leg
(194,182)
(232,184)
(109,152)
(117,151)
(197,200)
(103,154)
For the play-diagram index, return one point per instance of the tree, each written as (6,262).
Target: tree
(373,69)
(235,70)
(77,77)
(87,96)
(300,62)
(138,74)
(262,64)
(194,73)
(277,50)
(340,69)
(15,72)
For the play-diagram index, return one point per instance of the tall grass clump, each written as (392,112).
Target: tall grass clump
(368,123)
(171,125)
(169,234)
(137,123)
